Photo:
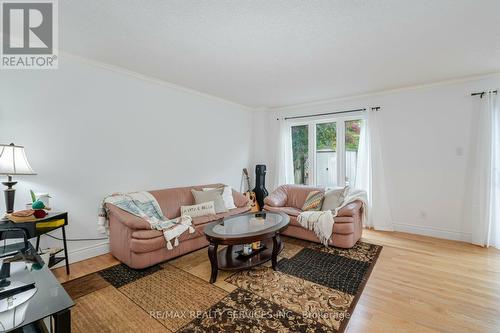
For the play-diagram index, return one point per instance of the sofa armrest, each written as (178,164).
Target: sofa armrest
(351,209)
(130,220)
(277,198)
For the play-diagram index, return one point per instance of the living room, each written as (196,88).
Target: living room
(368,130)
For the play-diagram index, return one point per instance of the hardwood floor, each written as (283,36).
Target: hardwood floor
(419,284)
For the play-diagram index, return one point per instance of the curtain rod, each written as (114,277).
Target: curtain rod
(325,114)
(481,94)
(374,108)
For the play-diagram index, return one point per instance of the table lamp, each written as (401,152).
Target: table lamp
(13,161)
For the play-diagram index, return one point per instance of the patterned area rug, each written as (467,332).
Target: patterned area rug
(315,289)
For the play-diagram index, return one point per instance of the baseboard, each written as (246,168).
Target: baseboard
(86,253)
(433,232)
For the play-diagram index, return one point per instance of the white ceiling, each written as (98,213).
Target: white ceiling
(268,53)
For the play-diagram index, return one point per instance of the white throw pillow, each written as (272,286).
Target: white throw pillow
(206,208)
(334,198)
(227,196)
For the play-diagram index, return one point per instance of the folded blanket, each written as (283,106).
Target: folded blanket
(321,222)
(143,204)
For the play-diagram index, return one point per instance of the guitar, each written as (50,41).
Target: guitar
(250,195)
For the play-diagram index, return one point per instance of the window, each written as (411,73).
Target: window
(325,151)
(300,152)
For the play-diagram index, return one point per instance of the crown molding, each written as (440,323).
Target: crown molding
(385,92)
(147,78)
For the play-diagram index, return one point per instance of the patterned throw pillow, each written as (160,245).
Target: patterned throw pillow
(206,208)
(313,201)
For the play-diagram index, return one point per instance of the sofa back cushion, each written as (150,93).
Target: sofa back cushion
(297,194)
(171,199)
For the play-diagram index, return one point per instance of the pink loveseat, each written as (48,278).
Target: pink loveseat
(289,199)
(134,243)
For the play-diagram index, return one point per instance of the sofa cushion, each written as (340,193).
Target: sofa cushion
(146,234)
(142,245)
(171,199)
(338,227)
(292,211)
(197,221)
(210,218)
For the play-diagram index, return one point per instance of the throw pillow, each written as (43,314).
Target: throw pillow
(214,195)
(206,208)
(334,198)
(227,196)
(313,201)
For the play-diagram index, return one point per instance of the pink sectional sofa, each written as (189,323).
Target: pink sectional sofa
(289,199)
(134,243)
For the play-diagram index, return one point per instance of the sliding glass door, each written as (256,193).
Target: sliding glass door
(300,153)
(325,151)
(326,154)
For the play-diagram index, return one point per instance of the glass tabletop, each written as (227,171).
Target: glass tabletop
(247,224)
(50,296)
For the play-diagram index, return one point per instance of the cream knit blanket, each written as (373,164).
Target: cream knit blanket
(143,204)
(321,222)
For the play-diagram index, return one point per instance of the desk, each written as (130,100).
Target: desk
(35,229)
(50,300)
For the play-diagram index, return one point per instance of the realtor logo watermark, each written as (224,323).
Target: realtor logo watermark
(29,32)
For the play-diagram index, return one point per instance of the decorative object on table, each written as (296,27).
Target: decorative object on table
(247,249)
(27,215)
(260,184)
(43,197)
(250,195)
(13,161)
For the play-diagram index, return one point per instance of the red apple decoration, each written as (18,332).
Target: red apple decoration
(40,213)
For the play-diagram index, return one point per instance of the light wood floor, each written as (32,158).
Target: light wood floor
(419,284)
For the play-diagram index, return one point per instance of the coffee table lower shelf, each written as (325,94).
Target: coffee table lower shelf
(229,260)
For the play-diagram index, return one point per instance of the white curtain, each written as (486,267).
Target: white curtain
(284,160)
(484,210)
(370,173)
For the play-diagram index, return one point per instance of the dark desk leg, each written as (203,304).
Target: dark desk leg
(62,322)
(37,243)
(212,254)
(276,250)
(65,250)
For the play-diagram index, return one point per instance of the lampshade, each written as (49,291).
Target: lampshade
(13,161)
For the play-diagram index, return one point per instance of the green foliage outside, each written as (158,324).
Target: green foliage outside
(352,132)
(326,139)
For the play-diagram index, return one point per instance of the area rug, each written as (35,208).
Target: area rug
(314,289)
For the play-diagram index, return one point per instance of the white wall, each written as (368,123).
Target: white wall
(90,131)
(426,137)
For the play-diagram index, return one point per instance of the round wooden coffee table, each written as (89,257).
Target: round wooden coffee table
(235,231)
